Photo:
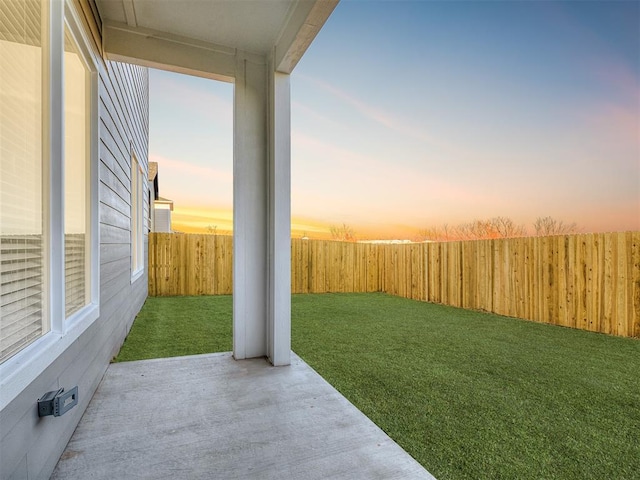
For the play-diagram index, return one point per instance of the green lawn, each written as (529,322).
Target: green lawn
(468,394)
(176,326)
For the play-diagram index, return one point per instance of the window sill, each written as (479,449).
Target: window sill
(136,275)
(19,371)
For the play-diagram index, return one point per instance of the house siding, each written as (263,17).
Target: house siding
(31,446)
(162,220)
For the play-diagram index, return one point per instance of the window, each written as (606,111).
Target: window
(77,101)
(137,218)
(48,220)
(22,242)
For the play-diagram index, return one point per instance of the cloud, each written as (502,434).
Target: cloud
(388,120)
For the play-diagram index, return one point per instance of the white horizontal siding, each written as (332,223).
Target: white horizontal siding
(162,219)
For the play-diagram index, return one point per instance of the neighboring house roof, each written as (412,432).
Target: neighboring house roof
(153,171)
(153,177)
(165,201)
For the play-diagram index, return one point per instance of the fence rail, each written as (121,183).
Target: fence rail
(590,282)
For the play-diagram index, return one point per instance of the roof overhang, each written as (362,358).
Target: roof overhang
(163,201)
(207,38)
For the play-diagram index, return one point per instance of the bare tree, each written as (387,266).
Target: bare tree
(432,234)
(504,227)
(446,232)
(496,227)
(474,230)
(545,226)
(343,233)
(212,229)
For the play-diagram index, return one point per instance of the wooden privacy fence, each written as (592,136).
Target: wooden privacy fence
(185,264)
(590,282)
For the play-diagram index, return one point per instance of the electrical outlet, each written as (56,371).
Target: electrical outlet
(57,402)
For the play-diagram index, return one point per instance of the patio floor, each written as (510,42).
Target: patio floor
(209,416)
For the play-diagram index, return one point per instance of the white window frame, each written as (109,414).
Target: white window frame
(17,372)
(91,179)
(138,194)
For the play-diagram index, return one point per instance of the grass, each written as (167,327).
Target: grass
(176,326)
(469,395)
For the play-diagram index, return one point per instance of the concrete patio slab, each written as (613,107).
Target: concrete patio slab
(209,417)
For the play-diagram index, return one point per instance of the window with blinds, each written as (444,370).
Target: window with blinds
(77,101)
(22,317)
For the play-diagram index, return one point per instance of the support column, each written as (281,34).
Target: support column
(261,213)
(279,190)
(250,173)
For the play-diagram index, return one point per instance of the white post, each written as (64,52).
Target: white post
(279,228)
(261,213)
(250,175)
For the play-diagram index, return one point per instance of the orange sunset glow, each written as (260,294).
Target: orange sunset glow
(203,220)
(485,117)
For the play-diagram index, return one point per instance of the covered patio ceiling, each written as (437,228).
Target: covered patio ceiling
(256,44)
(205,36)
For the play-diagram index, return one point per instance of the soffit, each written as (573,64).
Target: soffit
(248,25)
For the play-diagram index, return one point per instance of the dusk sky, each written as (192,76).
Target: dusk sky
(407,115)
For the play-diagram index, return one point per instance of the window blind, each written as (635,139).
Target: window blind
(21,292)
(76,156)
(21,235)
(74,272)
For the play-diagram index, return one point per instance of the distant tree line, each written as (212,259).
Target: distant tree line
(550,226)
(213,230)
(496,227)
